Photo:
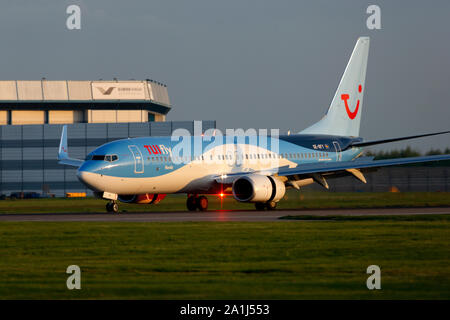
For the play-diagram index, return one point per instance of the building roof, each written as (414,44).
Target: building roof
(75,95)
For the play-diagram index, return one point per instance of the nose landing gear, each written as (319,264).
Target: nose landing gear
(195,202)
(112,207)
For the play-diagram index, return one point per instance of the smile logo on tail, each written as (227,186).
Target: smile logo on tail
(345,98)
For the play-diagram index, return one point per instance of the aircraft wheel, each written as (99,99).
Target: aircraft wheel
(202,203)
(260,206)
(271,205)
(112,207)
(191,203)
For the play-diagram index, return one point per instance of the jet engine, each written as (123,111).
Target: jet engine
(147,198)
(258,188)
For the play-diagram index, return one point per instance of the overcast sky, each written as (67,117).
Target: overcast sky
(247,63)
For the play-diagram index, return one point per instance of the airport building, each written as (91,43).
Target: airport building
(32,114)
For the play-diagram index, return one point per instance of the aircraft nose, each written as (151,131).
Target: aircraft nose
(80,175)
(90,179)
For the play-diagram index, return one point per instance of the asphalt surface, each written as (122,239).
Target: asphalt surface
(250,216)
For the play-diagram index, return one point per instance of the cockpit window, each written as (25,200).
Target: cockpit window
(108,157)
(111,158)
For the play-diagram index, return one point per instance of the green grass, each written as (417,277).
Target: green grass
(270,260)
(293,199)
(416,217)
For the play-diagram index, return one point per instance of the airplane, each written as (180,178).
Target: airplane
(144,169)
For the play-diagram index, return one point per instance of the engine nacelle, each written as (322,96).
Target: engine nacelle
(147,198)
(258,188)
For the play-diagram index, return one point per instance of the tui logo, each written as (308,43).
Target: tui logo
(345,97)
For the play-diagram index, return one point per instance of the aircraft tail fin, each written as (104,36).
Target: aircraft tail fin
(344,114)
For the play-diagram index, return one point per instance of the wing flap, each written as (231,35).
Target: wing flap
(357,164)
(317,169)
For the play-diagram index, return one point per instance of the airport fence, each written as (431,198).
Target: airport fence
(403,179)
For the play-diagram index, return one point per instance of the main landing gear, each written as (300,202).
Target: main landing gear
(195,202)
(112,207)
(261,206)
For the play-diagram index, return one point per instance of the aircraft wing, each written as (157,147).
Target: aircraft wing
(63,153)
(363,163)
(375,142)
(331,167)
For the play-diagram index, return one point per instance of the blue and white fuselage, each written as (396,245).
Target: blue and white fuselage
(254,168)
(148,165)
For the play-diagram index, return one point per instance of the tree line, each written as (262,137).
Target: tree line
(409,152)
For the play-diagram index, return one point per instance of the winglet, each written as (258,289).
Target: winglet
(63,153)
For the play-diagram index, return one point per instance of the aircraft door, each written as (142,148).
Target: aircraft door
(338,149)
(138,159)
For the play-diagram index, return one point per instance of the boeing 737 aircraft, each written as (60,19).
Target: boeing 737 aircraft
(253,169)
